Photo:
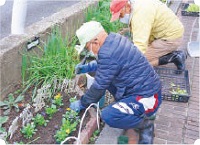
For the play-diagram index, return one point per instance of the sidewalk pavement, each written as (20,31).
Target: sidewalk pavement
(176,122)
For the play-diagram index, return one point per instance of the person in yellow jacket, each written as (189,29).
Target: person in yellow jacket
(155,29)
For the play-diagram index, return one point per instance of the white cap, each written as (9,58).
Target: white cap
(87,32)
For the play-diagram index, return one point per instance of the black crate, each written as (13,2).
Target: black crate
(168,76)
(185,13)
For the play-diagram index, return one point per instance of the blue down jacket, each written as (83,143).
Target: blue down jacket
(122,70)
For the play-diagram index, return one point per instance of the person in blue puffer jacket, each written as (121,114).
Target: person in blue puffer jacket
(123,70)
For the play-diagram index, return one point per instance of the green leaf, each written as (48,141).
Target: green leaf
(3,119)
(11,97)
(19,99)
(2,104)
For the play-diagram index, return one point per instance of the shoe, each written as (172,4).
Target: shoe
(176,57)
(146,132)
(179,60)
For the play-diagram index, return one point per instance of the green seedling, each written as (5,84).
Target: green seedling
(193,8)
(39,120)
(73,99)
(71,115)
(65,130)
(10,103)
(51,110)
(29,130)
(177,90)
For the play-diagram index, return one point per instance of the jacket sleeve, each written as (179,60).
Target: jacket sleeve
(106,71)
(141,25)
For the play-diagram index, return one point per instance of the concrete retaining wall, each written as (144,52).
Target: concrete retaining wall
(69,20)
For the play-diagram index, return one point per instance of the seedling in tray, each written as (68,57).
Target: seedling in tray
(176,90)
(193,8)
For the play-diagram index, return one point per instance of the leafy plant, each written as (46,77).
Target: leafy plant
(102,14)
(177,90)
(10,103)
(51,110)
(29,130)
(193,8)
(66,128)
(71,115)
(39,120)
(58,61)
(58,100)
(73,99)
(69,122)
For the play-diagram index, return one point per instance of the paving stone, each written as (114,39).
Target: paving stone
(193,123)
(165,123)
(180,108)
(159,141)
(191,127)
(175,137)
(162,134)
(172,142)
(193,119)
(188,140)
(173,111)
(192,133)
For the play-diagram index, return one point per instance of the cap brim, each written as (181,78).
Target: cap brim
(79,48)
(115,16)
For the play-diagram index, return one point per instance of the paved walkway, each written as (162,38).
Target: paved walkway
(177,123)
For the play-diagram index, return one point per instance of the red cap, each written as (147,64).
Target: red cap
(115,8)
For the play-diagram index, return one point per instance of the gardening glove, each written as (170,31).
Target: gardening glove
(85,68)
(76,106)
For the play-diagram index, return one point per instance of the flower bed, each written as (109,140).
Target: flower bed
(35,112)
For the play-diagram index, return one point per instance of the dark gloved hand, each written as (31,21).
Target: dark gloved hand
(90,67)
(77,106)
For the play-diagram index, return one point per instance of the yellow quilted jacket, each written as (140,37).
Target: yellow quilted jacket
(152,20)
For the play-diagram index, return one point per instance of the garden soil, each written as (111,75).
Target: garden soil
(44,135)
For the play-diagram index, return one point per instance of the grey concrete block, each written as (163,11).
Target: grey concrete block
(109,135)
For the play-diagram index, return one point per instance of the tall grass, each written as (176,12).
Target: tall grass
(59,57)
(58,61)
(102,14)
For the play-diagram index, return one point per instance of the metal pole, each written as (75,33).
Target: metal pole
(18,16)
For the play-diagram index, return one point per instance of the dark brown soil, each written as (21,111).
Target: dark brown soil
(44,135)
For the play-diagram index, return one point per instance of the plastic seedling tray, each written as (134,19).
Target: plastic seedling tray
(170,76)
(185,13)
